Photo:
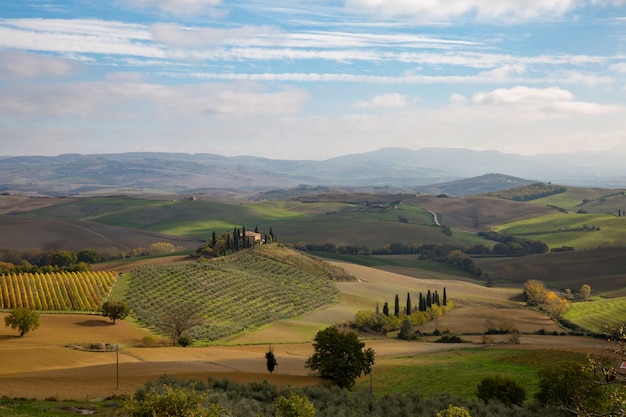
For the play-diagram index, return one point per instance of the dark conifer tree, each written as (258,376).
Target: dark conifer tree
(396,308)
(422,303)
(386,309)
(256,229)
(429,299)
(244,237)
(213,239)
(408,304)
(445,298)
(272,235)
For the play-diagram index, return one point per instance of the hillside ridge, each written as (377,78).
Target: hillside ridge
(395,168)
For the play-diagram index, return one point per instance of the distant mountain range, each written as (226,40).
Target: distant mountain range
(385,170)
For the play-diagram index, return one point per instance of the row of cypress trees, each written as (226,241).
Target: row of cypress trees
(425,302)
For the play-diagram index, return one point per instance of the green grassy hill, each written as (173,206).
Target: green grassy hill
(580,231)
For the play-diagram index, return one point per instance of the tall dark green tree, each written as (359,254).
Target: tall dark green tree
(235,239)
(429,299)
(408,304)
(244,237)
(445,297)
(213,239)
(386,309)
(271,360)
(396,307)
(422,303)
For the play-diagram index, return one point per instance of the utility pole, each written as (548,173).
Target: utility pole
(117,366)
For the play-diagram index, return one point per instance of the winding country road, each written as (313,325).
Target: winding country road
(435,218)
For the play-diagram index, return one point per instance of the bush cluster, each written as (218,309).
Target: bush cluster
(259,399)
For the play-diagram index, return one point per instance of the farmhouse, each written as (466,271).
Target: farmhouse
(255,237)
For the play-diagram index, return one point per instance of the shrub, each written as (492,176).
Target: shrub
(449,339)
(175,402)
(294,406)
(185,340)
(502,389)
(454,411)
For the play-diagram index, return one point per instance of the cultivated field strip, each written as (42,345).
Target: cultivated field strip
(595,315)
(236,294)
(56,291)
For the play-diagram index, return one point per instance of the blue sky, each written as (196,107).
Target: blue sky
(311,79)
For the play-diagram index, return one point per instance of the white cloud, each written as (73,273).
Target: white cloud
(188,37)
(619,68)
(114,99)
(522,95)
(535,103)
(177,6)
(77,36)
(491,10)
(486,10)
(21,65)
(384,101)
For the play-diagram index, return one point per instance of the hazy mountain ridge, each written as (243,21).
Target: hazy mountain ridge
(75,174)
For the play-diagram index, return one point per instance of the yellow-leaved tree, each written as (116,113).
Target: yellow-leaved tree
(555,305)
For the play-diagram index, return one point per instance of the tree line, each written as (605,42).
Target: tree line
(430,305)
(36,260)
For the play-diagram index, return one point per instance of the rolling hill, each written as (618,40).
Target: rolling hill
(391,168)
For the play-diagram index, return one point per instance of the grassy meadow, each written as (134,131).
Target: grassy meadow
(580,231)
(430,374)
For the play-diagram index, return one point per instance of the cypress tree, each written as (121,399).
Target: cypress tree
(408,304)
(436,299)
(213,239)
(236,240)
(429,299)
(422,303)
(244,237)
(386,309)
(445,299)
(396,308)
(272,235)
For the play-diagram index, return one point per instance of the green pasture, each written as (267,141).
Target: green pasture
(581,231)
(459,371)
(595,315)
(594,200)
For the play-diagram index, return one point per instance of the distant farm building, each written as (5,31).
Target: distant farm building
(255,237)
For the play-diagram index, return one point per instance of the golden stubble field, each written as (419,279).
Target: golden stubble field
(41,365)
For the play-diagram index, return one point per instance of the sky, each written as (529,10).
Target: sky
(311,79)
